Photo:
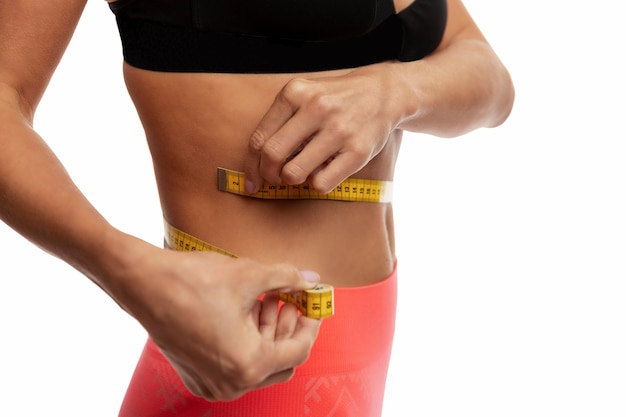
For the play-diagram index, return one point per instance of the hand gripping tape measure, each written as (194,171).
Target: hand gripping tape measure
(351,189)
(314,303)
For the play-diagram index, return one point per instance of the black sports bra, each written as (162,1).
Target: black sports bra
(274,36)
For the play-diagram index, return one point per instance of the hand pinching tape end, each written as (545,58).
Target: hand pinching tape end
(316,303)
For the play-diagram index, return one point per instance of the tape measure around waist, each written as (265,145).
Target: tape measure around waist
(352,189)
(314,303)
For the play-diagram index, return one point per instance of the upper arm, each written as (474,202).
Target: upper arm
(33,37)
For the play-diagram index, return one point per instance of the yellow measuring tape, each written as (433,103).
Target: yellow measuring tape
(315,303)
(352,189)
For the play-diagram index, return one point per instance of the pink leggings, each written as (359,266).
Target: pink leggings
(344,376)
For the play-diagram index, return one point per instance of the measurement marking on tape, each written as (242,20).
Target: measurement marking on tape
(314,303)
(352,189)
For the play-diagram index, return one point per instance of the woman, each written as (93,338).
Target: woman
(276,92)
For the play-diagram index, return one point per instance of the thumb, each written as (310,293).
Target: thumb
(288,278)
(309,279)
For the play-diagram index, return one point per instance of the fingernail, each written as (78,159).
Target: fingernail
(249,187)
(310,276)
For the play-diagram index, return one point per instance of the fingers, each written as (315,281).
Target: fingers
(330,174)
(288,125)
(282,277)
(315,132)
(269,147)
(287,322)
(277,323)
(283,146)
(241,343)
(292,351)
(278,377)
(287,343)
(268,316)
(327,160)
(314,155)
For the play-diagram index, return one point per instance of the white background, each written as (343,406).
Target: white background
(511,241)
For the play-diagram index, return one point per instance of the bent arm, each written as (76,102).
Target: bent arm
(338,124)
(37,197)
(171,294)
(460,87)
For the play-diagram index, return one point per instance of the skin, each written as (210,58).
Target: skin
(197,122)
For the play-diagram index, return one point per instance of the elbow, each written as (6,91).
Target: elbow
(11,97)
(503,98)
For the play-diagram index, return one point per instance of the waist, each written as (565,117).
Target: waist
(359,312)
(349,244)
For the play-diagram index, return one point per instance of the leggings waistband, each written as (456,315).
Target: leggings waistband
(344,375)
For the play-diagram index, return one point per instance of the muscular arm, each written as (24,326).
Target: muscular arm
(37,197)
(222,346)
(462,86)
(346,120)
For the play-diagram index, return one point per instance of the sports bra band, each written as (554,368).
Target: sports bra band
(270,36)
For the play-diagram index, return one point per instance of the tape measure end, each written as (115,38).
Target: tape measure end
(222,180)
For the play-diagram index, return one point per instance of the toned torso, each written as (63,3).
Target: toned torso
(198,122)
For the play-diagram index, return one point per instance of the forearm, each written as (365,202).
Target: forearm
(459,88)
(39,200)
